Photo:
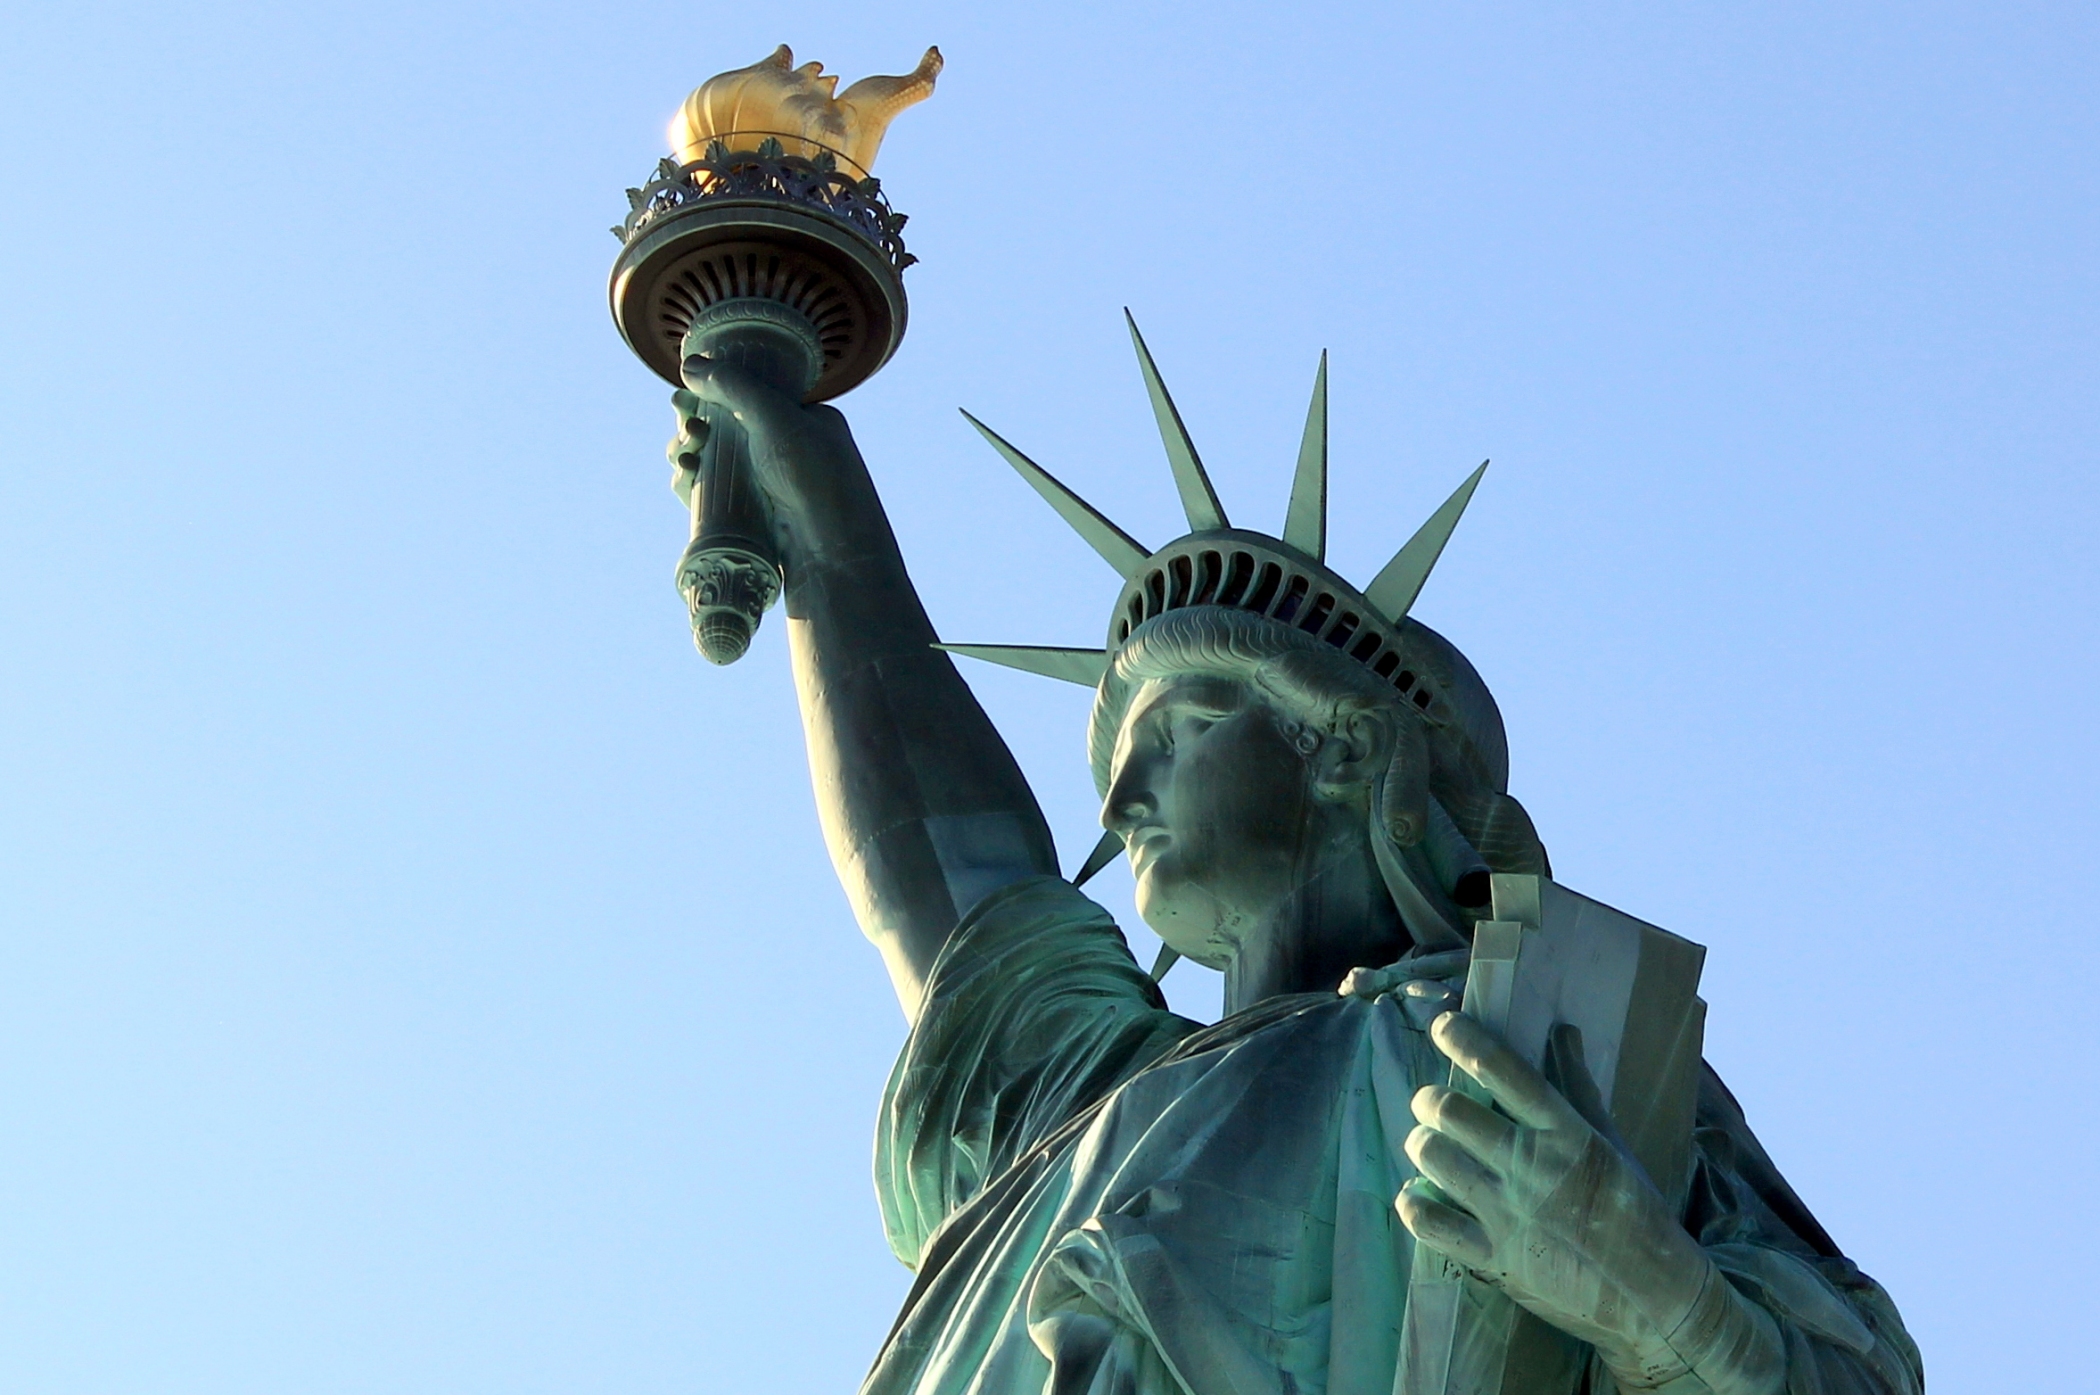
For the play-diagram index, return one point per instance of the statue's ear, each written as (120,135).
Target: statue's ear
(1403,795)
(1353,757)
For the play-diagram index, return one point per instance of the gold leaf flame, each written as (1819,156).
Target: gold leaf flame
(795,106)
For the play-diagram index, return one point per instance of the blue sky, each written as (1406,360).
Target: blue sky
(419,971)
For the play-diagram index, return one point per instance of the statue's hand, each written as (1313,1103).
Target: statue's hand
(796,452)
(1548,1208)
(1426,986)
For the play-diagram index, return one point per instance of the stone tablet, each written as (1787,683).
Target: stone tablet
(1552,958)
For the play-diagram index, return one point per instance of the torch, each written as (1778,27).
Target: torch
(763,241)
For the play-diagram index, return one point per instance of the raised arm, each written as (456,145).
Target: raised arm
(924,810)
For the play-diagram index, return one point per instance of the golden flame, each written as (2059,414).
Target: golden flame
(794,106)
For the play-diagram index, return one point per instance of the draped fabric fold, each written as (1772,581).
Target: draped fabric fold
(1101,1198)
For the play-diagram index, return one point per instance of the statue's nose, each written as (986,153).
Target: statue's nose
(1130,803)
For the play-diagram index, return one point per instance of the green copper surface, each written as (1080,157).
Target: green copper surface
(1394,589)
(1082,666)
(1198,500)
(1452,1134)
(1305,525)
(1116,547)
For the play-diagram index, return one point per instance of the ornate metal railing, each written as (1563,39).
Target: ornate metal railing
(817,184)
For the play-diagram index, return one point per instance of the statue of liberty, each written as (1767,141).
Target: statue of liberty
(1099,1197)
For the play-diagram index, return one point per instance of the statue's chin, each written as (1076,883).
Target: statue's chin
(1152,910)
(1186,923)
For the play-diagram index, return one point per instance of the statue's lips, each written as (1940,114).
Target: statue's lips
(1145,846)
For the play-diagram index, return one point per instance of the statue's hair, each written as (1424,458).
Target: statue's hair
(1443,793)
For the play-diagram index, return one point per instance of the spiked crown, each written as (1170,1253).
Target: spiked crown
(1287,582)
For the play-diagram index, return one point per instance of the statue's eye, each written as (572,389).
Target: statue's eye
(1194,724)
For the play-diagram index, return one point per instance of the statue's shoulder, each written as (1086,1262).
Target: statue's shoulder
(1030,928)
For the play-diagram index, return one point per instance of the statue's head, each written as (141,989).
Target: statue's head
(1256,713)
(1237,757)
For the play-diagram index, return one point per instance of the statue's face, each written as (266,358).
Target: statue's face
(1216,808)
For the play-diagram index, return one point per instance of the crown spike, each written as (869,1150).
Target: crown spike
(1117,547)
(1167,959)
(1104,852)
(1082,666)
(1198,500)
(1394,589)
(1305,525)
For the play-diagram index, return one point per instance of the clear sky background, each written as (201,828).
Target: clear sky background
(419,971)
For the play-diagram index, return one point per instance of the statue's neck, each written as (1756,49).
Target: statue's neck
(1339,917)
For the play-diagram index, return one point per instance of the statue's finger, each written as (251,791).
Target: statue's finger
(1444,1161)
(1508,1077)
(684,451)
(719,386)
(1444,1229)
(1425,1000)
(685,473)
(1484,1133)
(714,385)
(1568,1071)
(1368,984)
(1445,963)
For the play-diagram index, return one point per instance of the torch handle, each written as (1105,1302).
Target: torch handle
(730,573)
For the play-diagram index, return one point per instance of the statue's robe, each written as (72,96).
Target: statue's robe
(1101,1198)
